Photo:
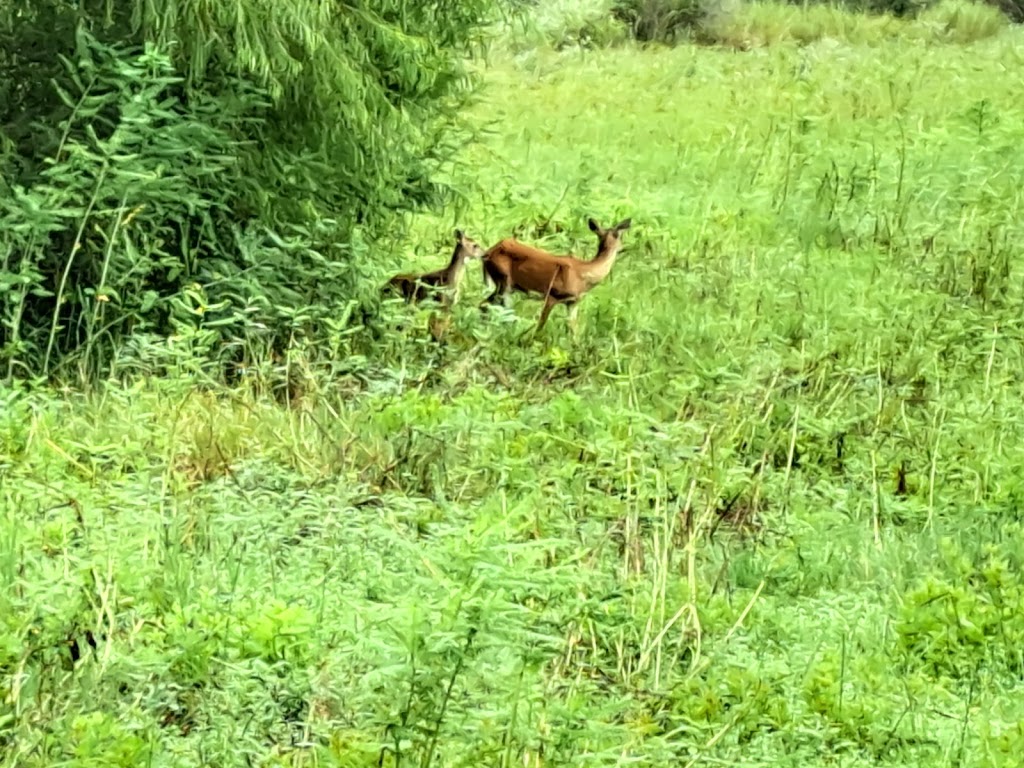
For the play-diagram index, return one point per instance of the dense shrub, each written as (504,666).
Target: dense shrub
(658,20)
(168,171)
(951,21)
(1012,9)
(962,21)
(672,20)
(898,8)
(561,24)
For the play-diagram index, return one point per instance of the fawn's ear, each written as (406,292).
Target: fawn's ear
(594,226)
(623,225)
(458,234)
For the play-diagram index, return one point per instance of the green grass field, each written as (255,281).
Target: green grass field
(765,511)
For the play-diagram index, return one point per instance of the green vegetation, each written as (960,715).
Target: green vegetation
(213,169)
(764,512)
(596,23)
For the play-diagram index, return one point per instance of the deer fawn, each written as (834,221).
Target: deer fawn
(559,279)
(417,287)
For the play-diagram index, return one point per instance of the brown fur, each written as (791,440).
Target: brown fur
(513,266)
(415,287)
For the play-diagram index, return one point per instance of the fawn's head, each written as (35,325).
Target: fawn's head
(609,240)
(466,247)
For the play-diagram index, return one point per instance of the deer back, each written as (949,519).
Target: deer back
(532,270)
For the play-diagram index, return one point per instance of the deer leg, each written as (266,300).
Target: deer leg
(499,289)
(506,289)
(500,293)
(400,285)
(549,304)
(488,301)
(549,300)
(447,296)
(573,326)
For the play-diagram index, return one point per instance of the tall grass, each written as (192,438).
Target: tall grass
(763,512)
(745,25)
(950,21)
(561,24)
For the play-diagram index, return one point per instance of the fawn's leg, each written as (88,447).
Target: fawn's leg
(574,308)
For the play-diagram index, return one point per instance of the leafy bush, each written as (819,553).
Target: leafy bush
(1012,9)
(950,626)
(659,20)
(767,24)
(151,155)
(724,21)
(958,21)
(562,24)
(897,8)
(962,21)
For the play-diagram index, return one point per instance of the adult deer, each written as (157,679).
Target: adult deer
(513,266)
(415,287)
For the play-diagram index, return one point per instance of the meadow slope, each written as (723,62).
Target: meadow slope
(765,512)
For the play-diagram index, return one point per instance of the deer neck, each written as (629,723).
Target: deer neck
(456,266)
(597,270)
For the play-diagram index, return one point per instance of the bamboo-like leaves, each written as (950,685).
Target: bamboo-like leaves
(205,117)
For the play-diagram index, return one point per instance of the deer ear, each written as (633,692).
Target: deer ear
(623,225)
(594,226)
(458,234)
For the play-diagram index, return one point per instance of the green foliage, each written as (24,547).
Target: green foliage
(659,20)
(1012,9)
(964,21)
(174,172)
(744,24)
(96,739)
(897,8)
(560,24)
(764,511)
(974,616)
(100,243)
(760,24)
